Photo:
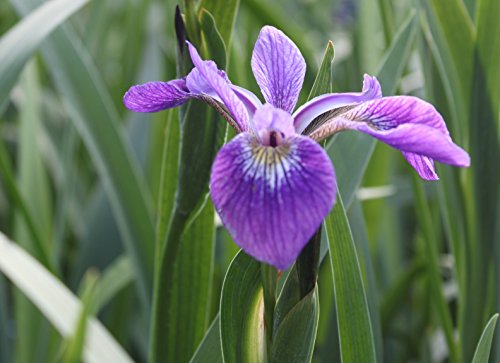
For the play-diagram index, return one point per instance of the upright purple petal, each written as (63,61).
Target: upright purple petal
(156,96)
(306,113)
(278,67)
(272,200)
(213,79)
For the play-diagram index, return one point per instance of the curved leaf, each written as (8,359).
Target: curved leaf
(242,312)
(356,336)
(17,46)
(482,353)
(57,303)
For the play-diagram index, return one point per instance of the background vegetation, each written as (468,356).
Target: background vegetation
(87,188)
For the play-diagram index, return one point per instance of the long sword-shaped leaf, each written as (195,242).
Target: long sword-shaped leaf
(482,353)
(355,330)
(92,111)
(17,46)
(241,312)
(56,302)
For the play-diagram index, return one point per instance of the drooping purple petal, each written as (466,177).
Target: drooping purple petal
(305,114)
(213,79)
(422,164)
(272,200)
(156,96)
(406,123)
(278,67)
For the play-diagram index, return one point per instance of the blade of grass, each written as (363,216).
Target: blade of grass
(17,46)
(357,342)
(56,302)
(482,353)
(432,253)
(92,111)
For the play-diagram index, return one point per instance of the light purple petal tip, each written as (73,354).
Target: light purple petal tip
(156,96)
(272,200)
(423,165)
(305,114)
(278,67)
(221,87)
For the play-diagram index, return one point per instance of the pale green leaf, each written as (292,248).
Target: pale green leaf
(56,302)
(17,46)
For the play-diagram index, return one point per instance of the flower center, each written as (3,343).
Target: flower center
(271,138)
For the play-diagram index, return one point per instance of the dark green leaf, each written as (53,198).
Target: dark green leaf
(355,329)
(213,40)
(224,13)
(293,340)
(241,312)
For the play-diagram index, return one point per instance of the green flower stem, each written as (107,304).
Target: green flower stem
(163,284)
(269,282)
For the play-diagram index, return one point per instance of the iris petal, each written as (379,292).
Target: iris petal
(406,123)
(272,200)
(278,67)
(156,96)
(309,111)
(422,164)
(222,89)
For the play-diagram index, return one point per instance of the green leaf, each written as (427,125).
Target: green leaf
(224,13)
(482,353)
(458,32)
(115,278)
(56,302)
(75,344)
(209,350)
(189,301)
(323,82)
(17,46)
(355,329)
(433,272)
(242,312)
(91,109)
(293,340)
(213,40)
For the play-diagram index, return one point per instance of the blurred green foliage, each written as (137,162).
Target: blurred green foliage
(83,181)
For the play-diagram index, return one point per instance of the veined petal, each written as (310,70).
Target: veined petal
(406,123)
(331,101)
(156,96)
(213,79)
(272,200)
(422,164)
(278,67)
(251,102)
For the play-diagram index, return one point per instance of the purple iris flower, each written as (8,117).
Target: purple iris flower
(273,184)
